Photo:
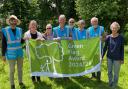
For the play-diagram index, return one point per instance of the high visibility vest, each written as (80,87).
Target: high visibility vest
(14,47)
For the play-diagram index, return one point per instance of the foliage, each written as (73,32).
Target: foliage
(106,10)
(43,11)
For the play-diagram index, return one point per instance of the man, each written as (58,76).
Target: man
(61,31)
(12,48)
(73,32)
(94,31)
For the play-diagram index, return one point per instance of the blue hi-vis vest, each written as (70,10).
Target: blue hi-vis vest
(14,47)
(57,32)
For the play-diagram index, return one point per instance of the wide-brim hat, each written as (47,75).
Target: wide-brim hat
(13,16)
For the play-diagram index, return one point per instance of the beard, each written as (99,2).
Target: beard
(95,26)
(71,27)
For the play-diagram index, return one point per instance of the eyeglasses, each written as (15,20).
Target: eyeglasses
(48,28)
(71,22)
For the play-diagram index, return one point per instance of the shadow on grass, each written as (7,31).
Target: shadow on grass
(82,82)
(42,85)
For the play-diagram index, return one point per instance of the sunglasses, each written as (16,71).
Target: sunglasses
(49,28)
(71,22)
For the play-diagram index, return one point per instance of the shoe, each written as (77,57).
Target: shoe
(22,85)
(38,79)
(33,79)
(98,79)
(12,86)
(110,85)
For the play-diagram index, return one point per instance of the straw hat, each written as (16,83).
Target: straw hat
(14,17)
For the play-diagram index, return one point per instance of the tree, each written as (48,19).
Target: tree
(106,10)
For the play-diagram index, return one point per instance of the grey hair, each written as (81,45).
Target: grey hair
(94,18)
(62,16)
(116,24)
(81,22)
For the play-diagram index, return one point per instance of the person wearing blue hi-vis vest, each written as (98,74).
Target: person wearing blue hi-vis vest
(95,31)
(12,48)
(81,30)
(61,31)
(73,32)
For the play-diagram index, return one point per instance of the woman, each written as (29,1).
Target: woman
(81,30)
(48,33)
(32,33)
(114,45)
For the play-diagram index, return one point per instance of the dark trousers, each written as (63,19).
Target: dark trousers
(34,78)
(98,76)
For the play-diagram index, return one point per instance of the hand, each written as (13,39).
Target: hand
(26,38)
(121,62)
(70,38)
(3,59)
(40,39)
(58,38)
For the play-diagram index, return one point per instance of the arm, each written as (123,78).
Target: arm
(4,47)
(105,47)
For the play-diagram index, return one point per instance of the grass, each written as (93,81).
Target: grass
(83,82)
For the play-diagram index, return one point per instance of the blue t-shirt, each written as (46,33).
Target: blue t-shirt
(82,34)
(62,33)
(94,33)
(74,33)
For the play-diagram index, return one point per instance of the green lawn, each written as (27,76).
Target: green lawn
(72,83)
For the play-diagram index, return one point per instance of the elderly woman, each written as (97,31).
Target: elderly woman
(114,45)
(32,33)
(81,30)
(48,33)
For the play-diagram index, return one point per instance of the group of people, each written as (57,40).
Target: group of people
(12,41)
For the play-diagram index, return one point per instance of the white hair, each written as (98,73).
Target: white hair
(62,16)
(71,19)
(115,24)
(94,19)
(81,22)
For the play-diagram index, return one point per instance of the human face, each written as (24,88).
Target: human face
(71,23)
(48,29)
(62,21)
(33,28)
(94,23)
(81,25)
(114,29)
(13,22)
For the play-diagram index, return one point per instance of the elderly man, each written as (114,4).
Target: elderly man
(94,31)
(61,31)
(12,48)
(73,32)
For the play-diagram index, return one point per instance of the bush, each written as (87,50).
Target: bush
(126,38)
(126,49)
